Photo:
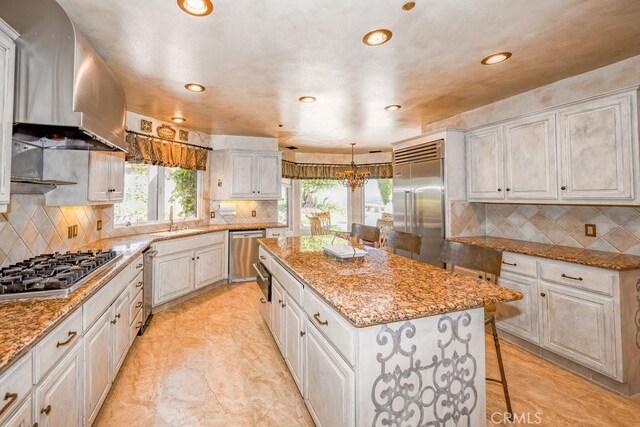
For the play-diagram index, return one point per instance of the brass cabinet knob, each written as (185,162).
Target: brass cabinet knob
(563,187)
(302,333)
(508,189)
(499,189)
(46,410)
(542,294)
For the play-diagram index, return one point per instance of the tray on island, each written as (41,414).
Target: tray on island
(344,252)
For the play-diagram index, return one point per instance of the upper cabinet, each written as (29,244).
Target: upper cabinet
(585,153)
(7,72)
(246,175)
(106,176)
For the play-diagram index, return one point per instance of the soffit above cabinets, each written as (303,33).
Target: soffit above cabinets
(257,58)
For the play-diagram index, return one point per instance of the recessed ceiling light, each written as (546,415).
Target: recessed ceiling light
(496,58)
(307,99)
(196,7)
(393,107)
(377,37)
(409,5)
(178,119)
(195,87)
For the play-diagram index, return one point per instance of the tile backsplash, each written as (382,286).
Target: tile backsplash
(30,228)
(618,228)
(266,211)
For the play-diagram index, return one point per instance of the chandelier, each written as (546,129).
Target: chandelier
(352,176)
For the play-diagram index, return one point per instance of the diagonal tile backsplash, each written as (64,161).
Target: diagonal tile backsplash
(618,228)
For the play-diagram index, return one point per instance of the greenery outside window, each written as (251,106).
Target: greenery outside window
(377,200)
(284,204)
(150,192)
(324,195)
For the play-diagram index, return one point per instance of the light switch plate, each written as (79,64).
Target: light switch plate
(70,232)
(253,214)
(590,230)
(99,225)
(75,230)
(213,214)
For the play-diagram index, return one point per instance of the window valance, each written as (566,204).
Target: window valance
(162,152)
(328,171)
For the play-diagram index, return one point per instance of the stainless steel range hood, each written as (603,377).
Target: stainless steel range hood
(64,91)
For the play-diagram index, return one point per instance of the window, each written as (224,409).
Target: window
(377,200)
(150,192)
(324,195)
(284,204)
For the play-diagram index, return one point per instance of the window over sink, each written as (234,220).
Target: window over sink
(150,192)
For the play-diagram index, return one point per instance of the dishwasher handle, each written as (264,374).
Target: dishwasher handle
(247,235)
(255,267)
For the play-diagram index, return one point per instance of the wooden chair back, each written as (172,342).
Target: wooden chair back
(456,254)
(316,226)
(366,233)
(400,240)
(325,219)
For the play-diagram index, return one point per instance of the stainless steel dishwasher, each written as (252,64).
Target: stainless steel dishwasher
(243,253)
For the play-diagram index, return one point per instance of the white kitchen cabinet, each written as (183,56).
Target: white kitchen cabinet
(294,340)
(597,149)
(106,176)
(59,397)
(97,359)
(209,267)
(7,73)
(530,158)
(23,416)
(173,276)
(246,175)
(329,382)
(277,314)
(579,326)
(485,164)
(120,337)
(520,317)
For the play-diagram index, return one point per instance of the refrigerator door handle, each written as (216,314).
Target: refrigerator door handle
(406,211)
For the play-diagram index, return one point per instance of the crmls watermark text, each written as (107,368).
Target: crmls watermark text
(524,418)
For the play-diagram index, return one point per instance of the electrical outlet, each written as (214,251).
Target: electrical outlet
(75,230)
(70,232)
(590,230)
(253,214)
(99,225)
(213,214)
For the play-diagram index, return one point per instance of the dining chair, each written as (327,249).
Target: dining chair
(401,240)
(325,219)
(316,226)
(478,259)
(367,234)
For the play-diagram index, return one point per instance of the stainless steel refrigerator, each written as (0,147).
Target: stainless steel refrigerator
(418,196)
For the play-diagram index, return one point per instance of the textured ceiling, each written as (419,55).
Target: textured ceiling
(257,57)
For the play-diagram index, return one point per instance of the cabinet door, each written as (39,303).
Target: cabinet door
(99,166)
(277,324)
(328,382)
(209,265)
(242,175)
(116,177)
(485,164)
(579,326)
(120,335)
(530,158)
(596,140)
(265,310)
(97,364)
(23,417)
(7,65)
(293,342)
(173,276)
(520,318)
(59,396)
(269,175)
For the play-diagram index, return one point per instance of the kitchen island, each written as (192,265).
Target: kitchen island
(382,340)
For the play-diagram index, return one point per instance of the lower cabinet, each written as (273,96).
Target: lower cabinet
(294,339)
(209,266)
(59,396)
(174,276)
(277,314)
(520,317)
(265,310)
(23,417)
(97,356)
(120,337)
(329,382)
(580,326)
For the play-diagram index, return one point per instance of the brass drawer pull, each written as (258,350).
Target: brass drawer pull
(139,265)
(320,322)
(113,322)
(280,301)
(11,397)
(46,410)
(139,304)
(139,285)
(283,305)
(262,257)
(572,278)
(262,300)
(72,335)
(513,264)
(139,324)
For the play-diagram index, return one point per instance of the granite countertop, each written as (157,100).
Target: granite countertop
(382,287)
(25,322)
(600,259)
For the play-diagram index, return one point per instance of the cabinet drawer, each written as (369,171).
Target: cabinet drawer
(23,417)
(99,303)
(337,331)
(265,258)
(293,287)
(135,286)
(55,345)
(189,243)
(519,264)
(135,327)
(276,232)
(136,306)
(135,268)
(587,278)
(15,386)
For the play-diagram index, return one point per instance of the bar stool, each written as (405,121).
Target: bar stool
(403,241)
(367,234)
(455,254)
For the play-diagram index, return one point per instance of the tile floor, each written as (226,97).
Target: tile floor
(212,362)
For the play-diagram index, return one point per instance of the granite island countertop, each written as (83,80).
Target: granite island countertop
(592,258)
(23,323)
(381,287)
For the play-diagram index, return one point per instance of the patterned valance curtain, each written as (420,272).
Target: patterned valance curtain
(161,152)
(327,171)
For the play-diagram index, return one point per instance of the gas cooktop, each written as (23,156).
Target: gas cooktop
(52,275)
